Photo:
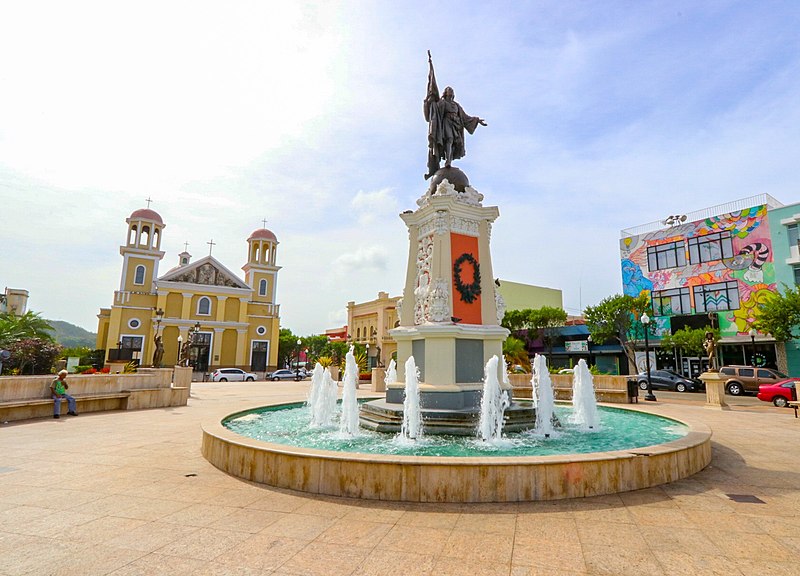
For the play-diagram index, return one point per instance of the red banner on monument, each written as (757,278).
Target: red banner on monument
(466,281)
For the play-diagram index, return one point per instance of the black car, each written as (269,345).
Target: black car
(669,380)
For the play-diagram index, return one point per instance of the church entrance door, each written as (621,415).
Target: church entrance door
(258,355)
(201,350)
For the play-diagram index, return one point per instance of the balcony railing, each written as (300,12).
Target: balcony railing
(124,296)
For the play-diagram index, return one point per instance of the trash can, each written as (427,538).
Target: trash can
(633,391)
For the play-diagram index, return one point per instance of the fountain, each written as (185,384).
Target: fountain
(322,397)
(449,339)
(349,420)
(585,412)
(543,392)
(412,415)
(493,404)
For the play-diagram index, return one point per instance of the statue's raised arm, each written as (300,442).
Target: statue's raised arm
(446,124)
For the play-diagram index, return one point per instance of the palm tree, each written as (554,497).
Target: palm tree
(29,325)
(515,352)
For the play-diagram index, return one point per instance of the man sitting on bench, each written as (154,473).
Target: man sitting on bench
(58,389)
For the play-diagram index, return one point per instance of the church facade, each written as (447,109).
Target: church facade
(228,321)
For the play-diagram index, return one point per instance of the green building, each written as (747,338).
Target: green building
(786,252)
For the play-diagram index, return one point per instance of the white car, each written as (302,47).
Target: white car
(232,375)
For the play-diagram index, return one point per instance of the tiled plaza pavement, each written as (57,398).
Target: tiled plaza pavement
(127,493)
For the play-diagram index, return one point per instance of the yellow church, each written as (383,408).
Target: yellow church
(227,321)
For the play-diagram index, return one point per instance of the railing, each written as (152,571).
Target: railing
(124,296)
(727,208)
(271,308)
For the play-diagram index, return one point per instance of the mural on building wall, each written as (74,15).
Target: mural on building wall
(749,264)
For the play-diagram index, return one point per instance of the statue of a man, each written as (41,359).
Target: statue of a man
(446,124)
(158,354)
(710,346)
(184,358)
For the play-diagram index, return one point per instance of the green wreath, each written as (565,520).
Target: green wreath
(469,292)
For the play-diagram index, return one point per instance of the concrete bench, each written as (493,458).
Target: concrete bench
(794,405)
(25,408)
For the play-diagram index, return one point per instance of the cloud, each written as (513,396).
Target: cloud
(370,207)
(364,259)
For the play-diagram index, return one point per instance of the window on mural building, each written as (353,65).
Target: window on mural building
(719,296)
(792,232)
(670,302)
(670,255)
(710,247)
(797,275)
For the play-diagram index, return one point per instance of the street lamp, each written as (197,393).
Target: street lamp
(646,322)
(180,348)
(159,317)
(589,348)
(297,367)
(368,366)
(753,333)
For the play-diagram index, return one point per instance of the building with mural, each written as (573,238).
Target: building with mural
(222,319)
(706,268)
(785,233)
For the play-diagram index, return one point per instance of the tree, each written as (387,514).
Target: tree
(515,352)
(32,356)
(28,325)
(779,315)
(547,320)
(618,318)
(287,347)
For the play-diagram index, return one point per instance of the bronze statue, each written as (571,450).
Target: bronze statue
(710,346)
(184,359)
(446,124)
(158,354)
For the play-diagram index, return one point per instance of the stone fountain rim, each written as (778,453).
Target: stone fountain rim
(698,434)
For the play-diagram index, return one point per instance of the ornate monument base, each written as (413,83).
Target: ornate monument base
(715,390)
(449,317)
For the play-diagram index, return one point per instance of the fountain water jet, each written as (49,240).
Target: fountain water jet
(493,405)
(412,414)
(349,419)
(391,373)
(322,397)
(543,391)
(583,398)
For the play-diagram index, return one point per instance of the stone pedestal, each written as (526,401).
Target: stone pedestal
(450,316)
(379,379)
(715,390)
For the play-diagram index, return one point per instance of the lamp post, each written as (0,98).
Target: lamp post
(180,347)
(159,317)
(589,348)
(297,366)
(646,323)
(752,334)
(368,362)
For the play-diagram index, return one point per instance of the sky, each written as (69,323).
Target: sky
(601,116)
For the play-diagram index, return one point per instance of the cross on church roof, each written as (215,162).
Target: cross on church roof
(186,246)
(148,201)
(210,246)
(265,222)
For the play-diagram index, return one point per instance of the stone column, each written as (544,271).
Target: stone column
(715,390)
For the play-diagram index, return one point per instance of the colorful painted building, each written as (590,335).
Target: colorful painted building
(785,232)
(228,321)
(706,268)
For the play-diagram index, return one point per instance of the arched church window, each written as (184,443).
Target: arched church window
(132,234)
(145,239)
(262,287)
(204,306)
(255,253)
(138,276)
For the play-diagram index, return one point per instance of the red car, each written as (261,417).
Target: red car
(780,393)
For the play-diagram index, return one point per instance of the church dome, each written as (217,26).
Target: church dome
(262,234)
(147,214)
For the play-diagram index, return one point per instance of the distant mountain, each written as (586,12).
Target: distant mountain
(69,335)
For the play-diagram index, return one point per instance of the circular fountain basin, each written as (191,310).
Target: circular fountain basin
(470,472)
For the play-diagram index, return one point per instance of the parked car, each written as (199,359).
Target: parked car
(286,374)
(741,379)
(668,380)
(232,374)
(780,393)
